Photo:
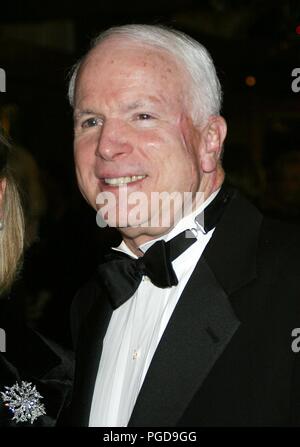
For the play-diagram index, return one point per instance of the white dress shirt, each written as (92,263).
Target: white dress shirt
(135,330)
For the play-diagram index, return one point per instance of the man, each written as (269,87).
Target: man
(207,342)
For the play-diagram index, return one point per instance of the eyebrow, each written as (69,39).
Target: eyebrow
(142,103)
(126,108)
(133,106)
(78,113)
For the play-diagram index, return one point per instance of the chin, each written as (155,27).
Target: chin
(142,234)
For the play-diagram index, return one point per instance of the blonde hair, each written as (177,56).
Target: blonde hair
(12,233)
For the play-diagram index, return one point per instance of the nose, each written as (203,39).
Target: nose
(114,141)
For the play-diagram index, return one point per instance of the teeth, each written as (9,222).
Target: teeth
(123,180)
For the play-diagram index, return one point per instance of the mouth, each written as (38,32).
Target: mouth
(118,181)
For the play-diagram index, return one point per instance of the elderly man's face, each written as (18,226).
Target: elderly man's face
(132,128)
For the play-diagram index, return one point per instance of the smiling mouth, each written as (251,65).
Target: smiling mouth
(117,181)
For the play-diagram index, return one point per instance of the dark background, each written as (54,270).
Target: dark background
(255,46)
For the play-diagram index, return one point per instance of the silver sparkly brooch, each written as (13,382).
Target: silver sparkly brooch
(24,402)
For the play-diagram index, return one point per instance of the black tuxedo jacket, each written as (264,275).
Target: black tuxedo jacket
(225,358)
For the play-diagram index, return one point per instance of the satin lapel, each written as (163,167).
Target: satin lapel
(88,357)
(198,332)
(203,321)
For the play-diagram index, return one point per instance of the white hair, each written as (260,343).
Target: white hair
(205,89)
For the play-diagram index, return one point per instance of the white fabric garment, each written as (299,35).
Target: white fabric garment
(135,330)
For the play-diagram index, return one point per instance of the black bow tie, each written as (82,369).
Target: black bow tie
(121,275)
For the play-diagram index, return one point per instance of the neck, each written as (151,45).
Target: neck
(135,237)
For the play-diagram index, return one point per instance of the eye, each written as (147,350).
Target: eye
(91,122)
(144,116)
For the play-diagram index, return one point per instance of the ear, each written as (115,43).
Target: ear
(213,136)
(2,191)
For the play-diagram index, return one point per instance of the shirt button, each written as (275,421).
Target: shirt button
(136,354)
(146,278)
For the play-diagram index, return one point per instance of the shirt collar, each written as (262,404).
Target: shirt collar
(186,223)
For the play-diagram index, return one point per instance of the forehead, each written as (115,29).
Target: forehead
(115,66)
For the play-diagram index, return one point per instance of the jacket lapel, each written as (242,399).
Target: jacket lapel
(89,349)
(203,321)
(198,332)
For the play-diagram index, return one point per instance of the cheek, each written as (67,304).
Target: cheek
(190,135)
(155,154)
(172,163)
(160,145)
(191,142)
(83,157)
(150,144)
(170,160)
